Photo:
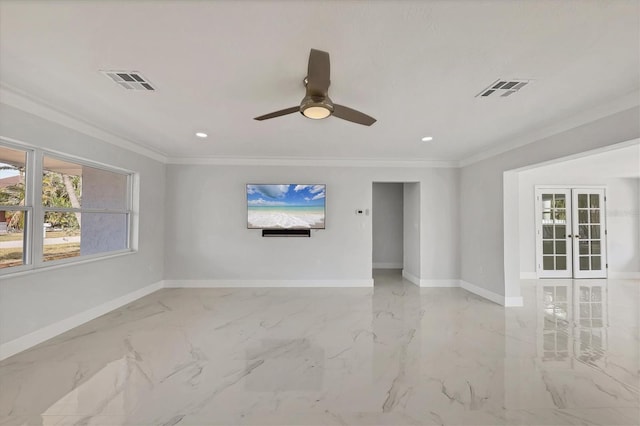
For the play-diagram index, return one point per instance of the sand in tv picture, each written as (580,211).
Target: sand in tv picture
(287,206)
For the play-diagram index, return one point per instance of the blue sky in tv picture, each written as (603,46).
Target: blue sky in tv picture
(286,206)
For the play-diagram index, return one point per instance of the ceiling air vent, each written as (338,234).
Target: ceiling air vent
(502,88)
(130,80)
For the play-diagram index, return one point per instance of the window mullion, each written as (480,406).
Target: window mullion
(37,220)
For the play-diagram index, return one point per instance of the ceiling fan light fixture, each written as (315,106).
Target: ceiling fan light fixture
(316,112)
(316,108)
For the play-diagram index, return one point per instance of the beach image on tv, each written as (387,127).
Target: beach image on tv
(286,206)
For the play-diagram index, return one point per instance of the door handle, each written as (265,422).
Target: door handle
(569,236)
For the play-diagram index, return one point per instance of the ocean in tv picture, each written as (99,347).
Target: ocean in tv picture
(286,217)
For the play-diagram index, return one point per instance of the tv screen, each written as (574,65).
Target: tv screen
(290,206)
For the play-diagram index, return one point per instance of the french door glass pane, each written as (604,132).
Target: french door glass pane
(582,201)
(583,216)
(547,232)
(561,263)
(583,231)
(584,263)
(594,201)
(584,247)
(547,247)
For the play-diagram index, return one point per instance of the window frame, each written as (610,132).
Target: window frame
(33,248)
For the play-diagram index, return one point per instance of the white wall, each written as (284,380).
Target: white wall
(623,225)
(483,202)
(622,205)
(387,222)
(207,239)
(33,300)
(411,233)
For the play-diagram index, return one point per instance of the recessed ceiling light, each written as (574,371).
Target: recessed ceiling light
(201,135)
(427,138)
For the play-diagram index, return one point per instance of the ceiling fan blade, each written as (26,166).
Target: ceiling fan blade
(278,113)
(318,74)
(352,115)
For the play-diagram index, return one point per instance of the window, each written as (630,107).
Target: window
(15,208)
(82,209)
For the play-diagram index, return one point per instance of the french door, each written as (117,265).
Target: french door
(570,233)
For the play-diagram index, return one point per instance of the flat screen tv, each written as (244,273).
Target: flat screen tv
(288,206)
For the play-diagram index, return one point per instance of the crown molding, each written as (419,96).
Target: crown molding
(312,162)
(631,100)
(18,99)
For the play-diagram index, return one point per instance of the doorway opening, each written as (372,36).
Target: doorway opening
(395,231)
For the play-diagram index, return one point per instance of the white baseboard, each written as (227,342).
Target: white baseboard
(387,265)
(528,276)
(494,297)
(439,283)
(266,283)
(411,278)
(27,341)
(624,275)
(421,282)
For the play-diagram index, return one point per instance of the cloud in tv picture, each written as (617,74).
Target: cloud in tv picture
(285,206)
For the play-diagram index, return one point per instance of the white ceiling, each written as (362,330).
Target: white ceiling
(416,66)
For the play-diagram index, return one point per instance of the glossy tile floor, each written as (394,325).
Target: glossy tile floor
(394,355)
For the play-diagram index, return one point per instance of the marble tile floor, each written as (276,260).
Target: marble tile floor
(392,355)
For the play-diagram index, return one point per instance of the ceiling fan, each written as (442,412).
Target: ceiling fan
(317,104)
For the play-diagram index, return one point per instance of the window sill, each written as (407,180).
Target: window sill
(64,263)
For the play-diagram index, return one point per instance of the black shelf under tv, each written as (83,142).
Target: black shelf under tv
(286,232)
